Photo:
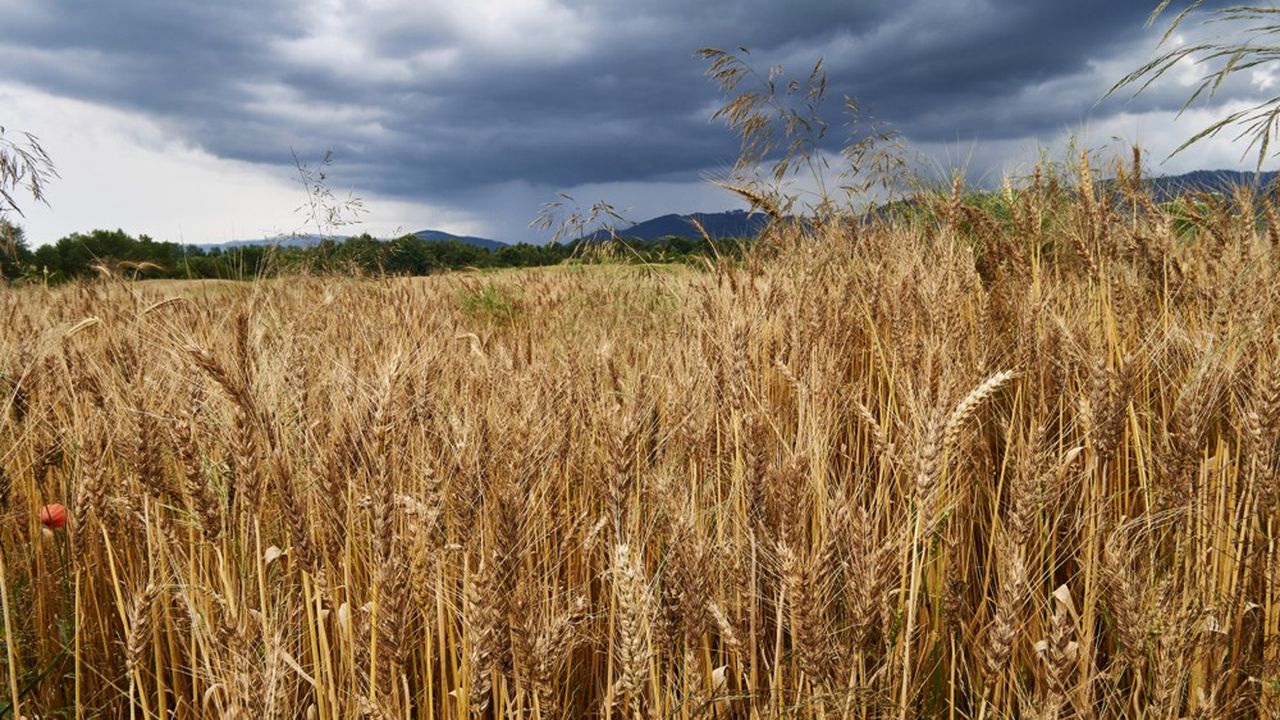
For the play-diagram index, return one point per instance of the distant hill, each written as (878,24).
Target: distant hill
(1205,181)
(729,224)
(302,241)
(283,241)
(441,236)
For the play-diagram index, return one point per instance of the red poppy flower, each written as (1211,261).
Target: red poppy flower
(53,516)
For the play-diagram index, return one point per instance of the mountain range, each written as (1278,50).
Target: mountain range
(310,239)
(441,236)
(1206,181)
(743,224)
(728,224)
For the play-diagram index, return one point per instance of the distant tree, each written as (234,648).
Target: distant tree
(407,255)
(86,255)
(678,245)
(523,255)
(48,260)
(1253,41)
(15,256)
(362,253)
(454,254)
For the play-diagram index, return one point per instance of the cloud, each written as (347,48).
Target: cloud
(119,169)
(470,113)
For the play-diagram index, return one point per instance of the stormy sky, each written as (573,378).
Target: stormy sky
(177,119)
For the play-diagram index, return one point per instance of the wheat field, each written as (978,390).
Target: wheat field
(957,463)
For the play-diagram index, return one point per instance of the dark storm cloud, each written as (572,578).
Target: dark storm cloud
(422,104)
(146,54)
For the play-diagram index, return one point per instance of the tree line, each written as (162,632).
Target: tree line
(117,253)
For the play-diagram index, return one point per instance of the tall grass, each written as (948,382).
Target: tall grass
(961,462)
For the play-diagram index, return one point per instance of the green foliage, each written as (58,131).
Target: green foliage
(499,304)
(116,253)
(15,256)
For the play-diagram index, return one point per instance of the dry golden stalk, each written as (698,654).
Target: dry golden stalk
(295,508)
(1059,653)
(1192,413)
(690,581)
(869,577)
(146,457)
(633,613)
(790,501)
(246,460)
(805,586)
(954,205)
(797,387)
(879,438)
(481,622)
(1176,638)
(755,472)
(279,680)
(728,634)
(1135,174)
(333,508)
(551,651)
(246,465)
(1124,603)
(233,386)
(966,408)
(757,199)
(200,494)
(1093,217)
(141,622)
(833,552)
(928,461)
(1007,622)
(393,621)
(622,479)
(91,495)
(1109,396)
(1273,222)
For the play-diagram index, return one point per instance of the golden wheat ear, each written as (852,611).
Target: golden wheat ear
(757,199)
